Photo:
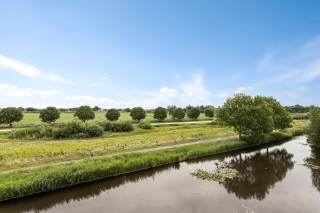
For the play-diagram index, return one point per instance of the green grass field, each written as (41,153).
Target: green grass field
(33,118)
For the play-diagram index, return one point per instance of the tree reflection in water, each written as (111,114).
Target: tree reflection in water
(315,173)
(258,173)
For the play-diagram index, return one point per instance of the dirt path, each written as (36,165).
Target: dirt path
(137,151)
(5,130)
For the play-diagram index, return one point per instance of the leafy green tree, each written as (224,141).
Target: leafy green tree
(84,113)
(249,117)
(209,113)
(193,113)
(138,113)
(170,109)
(178,113)
(49,114)
(160,113)
(112,114)
(10,115)
(282,119)
(314,127)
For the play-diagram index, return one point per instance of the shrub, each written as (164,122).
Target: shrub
(209,113)
(43,131)
(94,130)
(75,127)
(118,126)
(60,132)
(145,125)
(112,114)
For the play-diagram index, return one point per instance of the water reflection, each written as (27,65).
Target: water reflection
(315,173)
(258,173)
(45,201)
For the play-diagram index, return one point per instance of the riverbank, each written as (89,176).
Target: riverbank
(21,183)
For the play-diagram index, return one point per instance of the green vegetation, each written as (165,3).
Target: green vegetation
(314,127)
(193,113)
(84,113)
(49,114)
(112,114)
(28,181)
(253,118)
(209,113)
(178,114)
(119,126)
(160,113)
(10,115)
(145,125)
(138,113)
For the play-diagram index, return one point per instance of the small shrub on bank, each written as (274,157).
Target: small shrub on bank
(94,130)
(118,126)
(37,132)
(60,132)
(145,125)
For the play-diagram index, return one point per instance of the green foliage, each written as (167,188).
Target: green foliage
(145,125)
(193,113)
(93,130)
(49,114)
(314,127)
(60,132)
(178,114)
(250,117)
(119,126)
(170,109)
(84,113)
(209,113)
(112,114)
(74,127)
(138,113)
(43,131)
(160,113)
(10,115)
(299,116)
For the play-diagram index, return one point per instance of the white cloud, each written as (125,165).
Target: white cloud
(90,99)
(5,99)
(28,70)
(104,78)
(265,62)
(194,92)
(161,97)
(242,89)
(223,95)
(177,77)
(13,91)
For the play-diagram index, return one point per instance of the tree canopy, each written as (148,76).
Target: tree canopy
(209,113)
(9,115)
(193,113)
(252,117)
(160,113)
(112,114)
(138,113)
(84,113)
(314,127)
(178,113)
(49,114)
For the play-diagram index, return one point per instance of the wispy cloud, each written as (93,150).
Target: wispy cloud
(14,91)
(177,77)
(222,95)
(265,62)
(104,78)
(28,70)
(242,89)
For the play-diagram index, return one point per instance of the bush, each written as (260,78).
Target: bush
(160,113)
(194,113)
(112,114)
(209,113)
(60,132)
(118,126)
(145,125)
(138,113)
(43,131)
(94,130)
(75,127)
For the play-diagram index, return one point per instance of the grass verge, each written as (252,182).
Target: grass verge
(20,183)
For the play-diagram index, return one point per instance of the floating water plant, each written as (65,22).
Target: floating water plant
(311,166)
(221,173)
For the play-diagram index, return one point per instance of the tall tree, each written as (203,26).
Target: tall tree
(314,127)
(138,113)
(171,108)
(49,114)
(10,115)
(160,113)
(84,113)
(112,114)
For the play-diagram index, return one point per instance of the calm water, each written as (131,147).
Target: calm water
(271,180)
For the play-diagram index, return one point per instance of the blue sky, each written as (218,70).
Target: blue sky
(154,53)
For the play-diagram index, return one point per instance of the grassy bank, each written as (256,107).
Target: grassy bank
(24,182)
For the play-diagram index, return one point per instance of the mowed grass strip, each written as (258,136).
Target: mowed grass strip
(18,154)
(25,182)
